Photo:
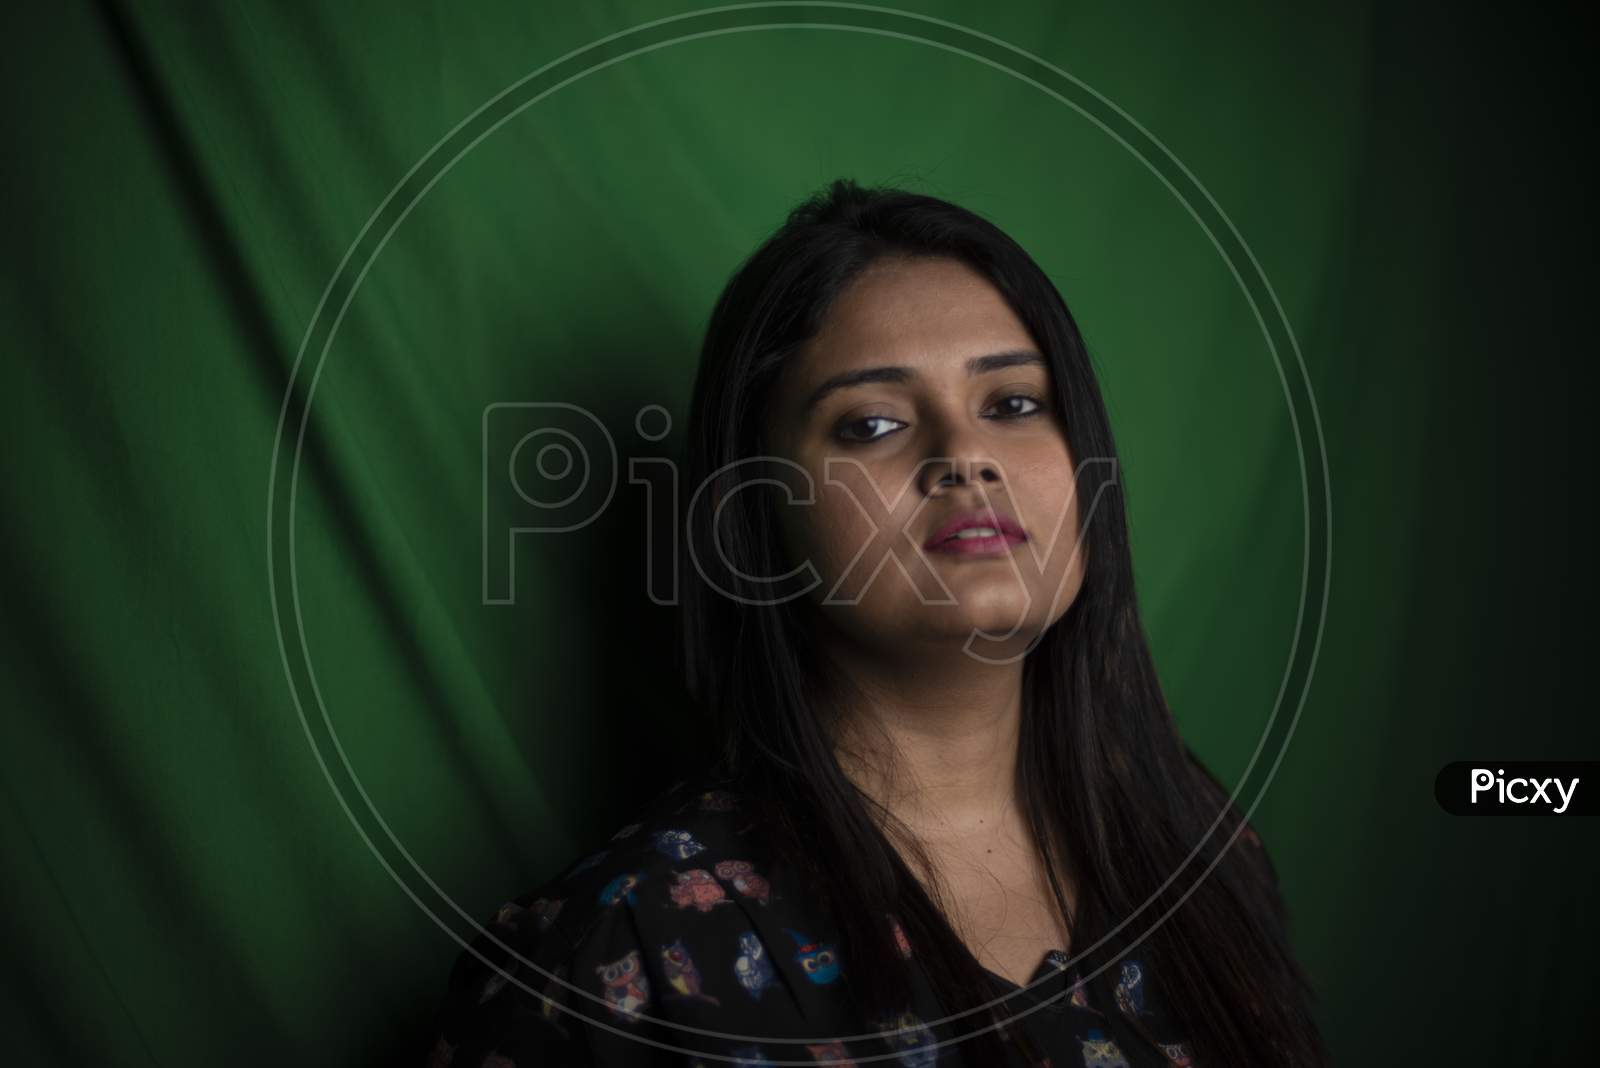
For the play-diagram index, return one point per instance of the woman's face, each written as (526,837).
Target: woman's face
(921,406)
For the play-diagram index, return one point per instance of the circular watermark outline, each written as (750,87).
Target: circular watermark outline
(1113,121)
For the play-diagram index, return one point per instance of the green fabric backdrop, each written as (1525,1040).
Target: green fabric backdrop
(201,867)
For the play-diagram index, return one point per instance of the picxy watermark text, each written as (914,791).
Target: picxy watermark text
(1514,788)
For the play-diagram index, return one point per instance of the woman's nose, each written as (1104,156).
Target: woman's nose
(961,461)
(961,471)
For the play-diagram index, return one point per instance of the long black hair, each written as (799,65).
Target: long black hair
(1112,794)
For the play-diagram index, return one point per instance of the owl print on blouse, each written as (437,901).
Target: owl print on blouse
(818,962)
(742,874)
(1102,1052)
(679,845)
(622,889)
(626,988)
(834,1054)
(751,967)
(682,976)
(910,1039)
(697,889)
(1130,988)
(1178,1053)
(750,1057)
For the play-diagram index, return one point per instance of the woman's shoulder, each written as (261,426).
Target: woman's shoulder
(669,894)
(693,825)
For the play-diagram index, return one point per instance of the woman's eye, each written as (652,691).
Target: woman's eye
(870,428)
(1016,405)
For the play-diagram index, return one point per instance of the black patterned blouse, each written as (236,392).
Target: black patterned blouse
(681,941)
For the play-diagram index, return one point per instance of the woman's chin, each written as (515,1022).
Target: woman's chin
(981,615)
(990,617)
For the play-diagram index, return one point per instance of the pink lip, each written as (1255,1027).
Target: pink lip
(1010,533)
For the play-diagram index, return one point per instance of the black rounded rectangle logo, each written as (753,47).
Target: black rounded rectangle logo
(1516,788)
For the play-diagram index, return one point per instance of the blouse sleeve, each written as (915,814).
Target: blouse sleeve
(498,1010)
(555,981)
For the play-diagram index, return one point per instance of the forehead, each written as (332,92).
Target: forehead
(930,314)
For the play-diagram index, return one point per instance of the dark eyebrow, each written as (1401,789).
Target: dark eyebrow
(976,365)
(999,361)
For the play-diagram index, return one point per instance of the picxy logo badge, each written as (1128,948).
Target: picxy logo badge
(1502,788)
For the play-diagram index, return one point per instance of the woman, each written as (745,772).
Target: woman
(952,801)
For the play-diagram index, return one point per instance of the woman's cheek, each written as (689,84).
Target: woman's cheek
(841,533)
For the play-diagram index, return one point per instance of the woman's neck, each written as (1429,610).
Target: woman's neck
(932,738)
